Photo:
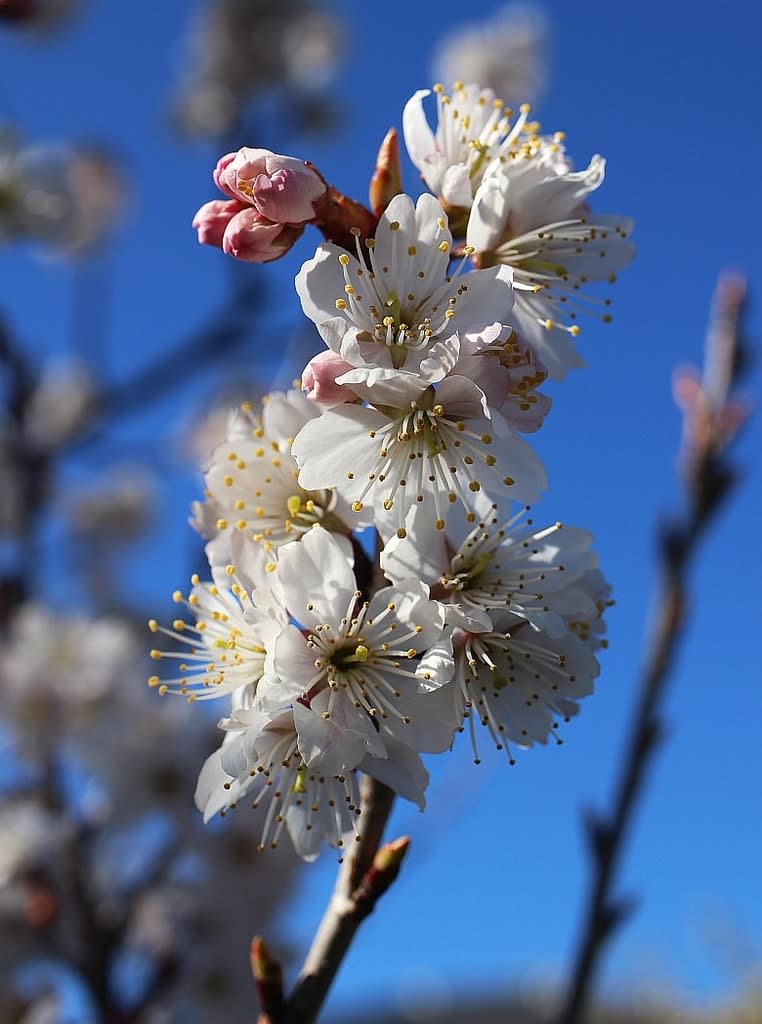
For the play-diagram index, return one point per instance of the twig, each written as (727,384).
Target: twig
(712,418)
(364,876)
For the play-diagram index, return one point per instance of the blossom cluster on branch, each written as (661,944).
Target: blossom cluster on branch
(64,199)
(239,51)
(442,319)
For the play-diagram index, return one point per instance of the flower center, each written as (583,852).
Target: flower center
(402,322)
(346,657)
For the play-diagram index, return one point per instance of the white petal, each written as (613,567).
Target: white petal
(336,444)
(402,770)
(422,554)
(284,414)
(436,667)
(315,570)
(489,214)
(487,298)
(419,138)
(318,284)
(323,745)
(456,186)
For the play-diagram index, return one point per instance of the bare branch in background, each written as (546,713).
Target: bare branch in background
(713,415)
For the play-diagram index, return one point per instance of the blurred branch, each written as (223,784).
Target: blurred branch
(364,876)
(712,418)
(224,330)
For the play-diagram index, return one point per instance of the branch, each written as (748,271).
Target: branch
(712,418)
(364,876)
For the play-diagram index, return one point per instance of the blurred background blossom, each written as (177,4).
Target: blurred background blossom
(64,199)
(240,51)
(507,52)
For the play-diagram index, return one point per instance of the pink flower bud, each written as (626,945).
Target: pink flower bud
(252,238)
(319,379)
(223,178)
(281,188)
(213,218)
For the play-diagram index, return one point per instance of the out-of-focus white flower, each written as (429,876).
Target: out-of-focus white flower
(28,835)
(506,53)
(60,404)
(239,50)
(311,49)
(72,660)
(46,1010)
(64,199)
(531,214)
(119,506)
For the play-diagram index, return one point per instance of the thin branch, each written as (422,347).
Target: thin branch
(365,874)
(712,419)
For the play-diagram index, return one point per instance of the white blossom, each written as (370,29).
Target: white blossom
(352,669)
(251,481)
(439,450)
(474,130)
(59,405)
(518,682)
(72,659)
(232,622)
(398,315)
(589,623)
(501,564)
(29,835)
(118,507)
(261,761)
(531,214)
(508,372)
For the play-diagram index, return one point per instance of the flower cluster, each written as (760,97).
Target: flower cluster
(441,325)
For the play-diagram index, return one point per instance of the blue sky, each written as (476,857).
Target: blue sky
(669,94)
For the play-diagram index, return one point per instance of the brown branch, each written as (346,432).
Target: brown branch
(364,876)
(712,419)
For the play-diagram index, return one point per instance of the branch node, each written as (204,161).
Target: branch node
(268,977)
